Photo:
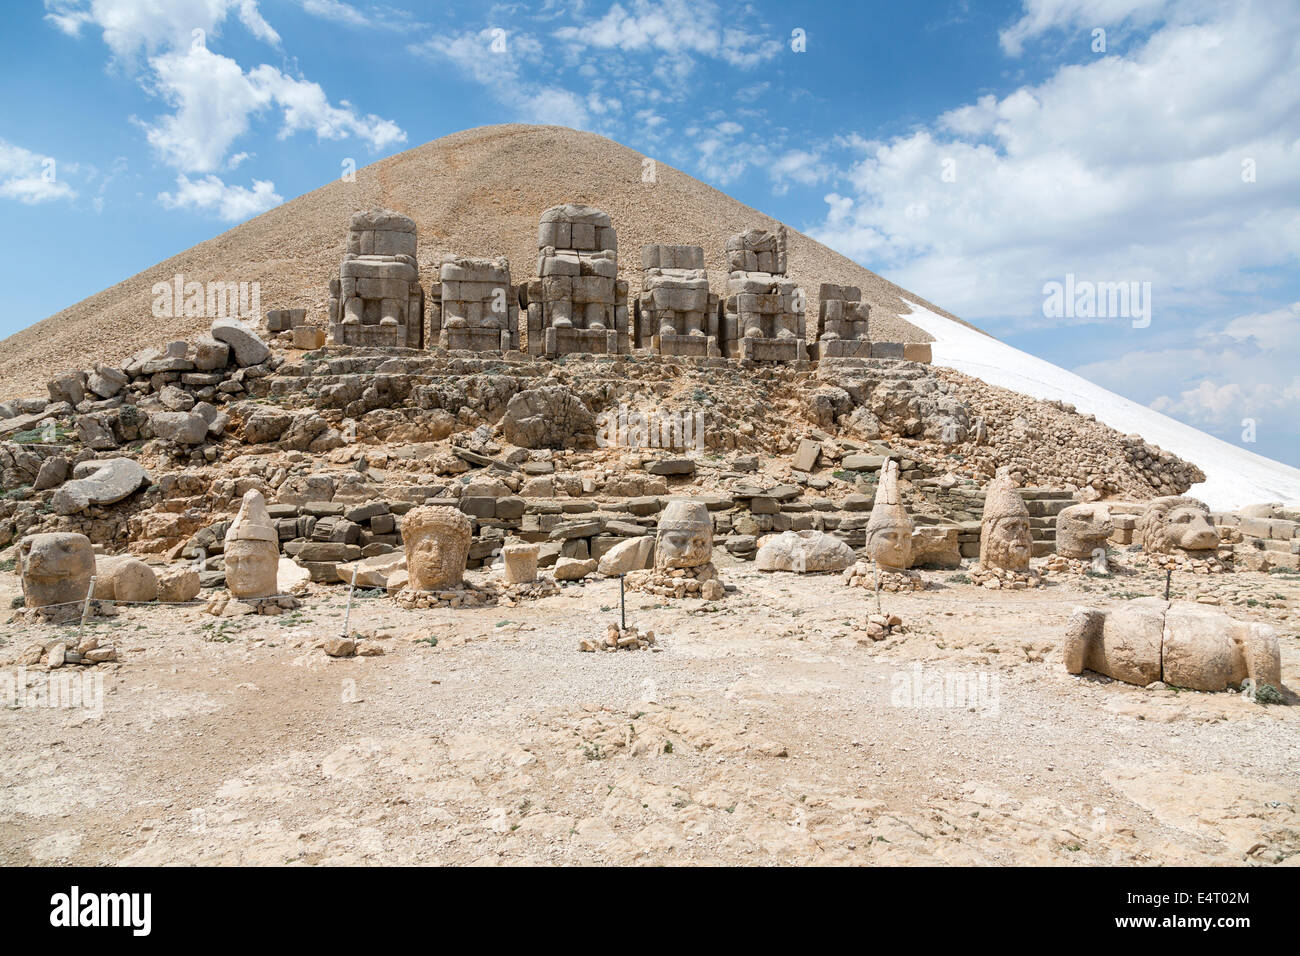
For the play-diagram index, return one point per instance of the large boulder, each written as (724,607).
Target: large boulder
(99,483)
(183,428)
(266,425)
(123,577)
(634,554)
(804,552)
(547,417)
(177,583)
(249,349)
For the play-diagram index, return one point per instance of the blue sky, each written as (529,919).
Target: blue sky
(969,151)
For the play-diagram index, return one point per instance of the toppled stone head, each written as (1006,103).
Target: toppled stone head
(55,568)
(1082,529)
(437,546)
(804,552)
(889,531)
(1182,643)
(1005,538)
(1177,523)
(685,536)
(252,550)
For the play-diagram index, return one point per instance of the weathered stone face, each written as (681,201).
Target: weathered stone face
(1082,529)
(1177,523)
(437,547)
(56,568)
(889,532)
(1182,643)
(252,550)
(685,536)
(1005,538)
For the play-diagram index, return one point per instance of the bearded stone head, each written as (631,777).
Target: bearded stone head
(685,536)
(437,543)
(1006,540)
(1177,523)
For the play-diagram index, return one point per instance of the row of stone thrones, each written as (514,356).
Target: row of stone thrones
(577,303)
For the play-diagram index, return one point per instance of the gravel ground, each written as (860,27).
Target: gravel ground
(767,730)
(477,192)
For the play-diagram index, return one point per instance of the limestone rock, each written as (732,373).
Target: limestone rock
(548,417)
(177,583)
(634,554)
(249,349)
(102,482)
(573,569)
(184,428)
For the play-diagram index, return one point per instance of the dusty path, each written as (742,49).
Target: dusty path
(764,732)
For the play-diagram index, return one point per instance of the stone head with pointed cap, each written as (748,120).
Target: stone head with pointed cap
(1005,538)
(889,531)
(252,550)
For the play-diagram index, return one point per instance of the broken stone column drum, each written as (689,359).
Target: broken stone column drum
(520,563)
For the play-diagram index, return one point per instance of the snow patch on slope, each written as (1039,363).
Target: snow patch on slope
(1234,477)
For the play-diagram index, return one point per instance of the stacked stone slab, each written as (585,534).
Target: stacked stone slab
(675,314)
(473,306)
(842,321)
(763,313)
(377,300)
(577,303)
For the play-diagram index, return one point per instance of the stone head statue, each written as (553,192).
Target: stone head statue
(685,535)
(252,550)
(889,531)
(1082,529)
(1182,643)
(1005,538)
(55,568)
(437,546)
(1177,523)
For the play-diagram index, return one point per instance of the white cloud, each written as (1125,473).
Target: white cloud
(132,27)
(30,177)
(213,99)
(211,195)
(677,28)
(1120,169)
(1042,16)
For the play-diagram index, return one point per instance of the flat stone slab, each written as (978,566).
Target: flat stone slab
(672,466)
(99,483)
(249,349)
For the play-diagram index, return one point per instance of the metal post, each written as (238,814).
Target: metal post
(875,567)
(1169,574)
(347,614)
(622,606)
(85,609)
